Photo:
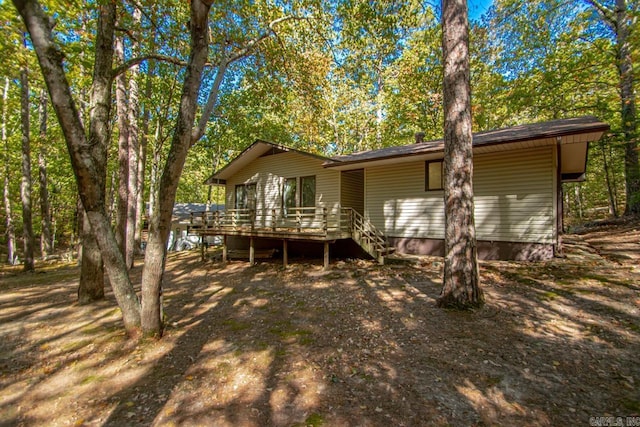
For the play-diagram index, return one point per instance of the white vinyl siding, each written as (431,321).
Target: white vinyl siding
(352,191)
(269,173)
(514,198)
(397,204)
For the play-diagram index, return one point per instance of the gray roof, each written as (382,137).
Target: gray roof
(184,210)
(521,133)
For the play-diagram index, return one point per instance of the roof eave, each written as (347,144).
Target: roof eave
(600,127)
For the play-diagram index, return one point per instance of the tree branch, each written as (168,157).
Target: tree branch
(607,14)
(198,132)
(247,49)
(135,61)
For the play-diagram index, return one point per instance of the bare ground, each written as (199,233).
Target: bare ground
(557,343)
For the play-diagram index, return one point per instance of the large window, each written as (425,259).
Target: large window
(246,196)
(433,176)
(307,191)
(289,195)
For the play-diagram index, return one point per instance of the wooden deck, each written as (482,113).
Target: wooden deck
(315,224)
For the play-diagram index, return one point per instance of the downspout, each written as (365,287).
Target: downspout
(559,199)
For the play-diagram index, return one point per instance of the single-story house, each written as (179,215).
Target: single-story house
(392,198)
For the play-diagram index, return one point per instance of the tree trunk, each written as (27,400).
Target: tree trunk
(613,209)
(160,222)
(11,236)
(86,155)
(578,198)
(26,184)
(628,111)
(142,163)
(142,155)
(91,267)
(461,277)
(123,152)
(155,170)
(46,243)
(91,282)
(133,148)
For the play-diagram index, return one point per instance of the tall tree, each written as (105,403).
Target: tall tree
(123,150)
(88,167)
(10,232)
(621,18)
(461,277)
(133,147)
(46,241)
(91,285)
(89,171)
(26,185)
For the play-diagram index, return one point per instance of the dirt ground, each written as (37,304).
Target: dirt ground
(558,342)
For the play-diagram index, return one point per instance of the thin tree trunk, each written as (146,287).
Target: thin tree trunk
(142,157)
(379,103)
(111,201)
(45,209)
(155,170)
(578,198)
(461,277)
(11,236)
(613,209)
(123,151)
(26,184)
(628,110)
(614,183)
(133,148)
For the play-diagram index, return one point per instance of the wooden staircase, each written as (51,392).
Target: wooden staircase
(368,237)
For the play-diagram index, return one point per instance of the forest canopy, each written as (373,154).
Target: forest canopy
(328,77)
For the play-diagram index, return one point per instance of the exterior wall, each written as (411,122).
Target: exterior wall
(514,198)
(269,172)
(352,190)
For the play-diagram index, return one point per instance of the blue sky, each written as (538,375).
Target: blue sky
(478,7)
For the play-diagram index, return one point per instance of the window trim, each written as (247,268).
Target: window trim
(426,175)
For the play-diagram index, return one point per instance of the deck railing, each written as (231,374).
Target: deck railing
(367,235)
(306,220)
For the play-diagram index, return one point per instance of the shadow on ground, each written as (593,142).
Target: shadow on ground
(362,344)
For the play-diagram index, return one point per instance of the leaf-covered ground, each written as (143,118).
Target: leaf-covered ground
(557,343)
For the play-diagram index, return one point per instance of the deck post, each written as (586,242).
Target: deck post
(224,248)
(326,255)
(324,221)
(285,253)
(273,220)
(252,251)
(298,220)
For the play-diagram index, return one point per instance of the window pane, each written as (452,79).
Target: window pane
(308,196)
(289,194)
(241,197)
(250,194)
(435,176)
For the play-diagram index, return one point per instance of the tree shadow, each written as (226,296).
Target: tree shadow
(358,345)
